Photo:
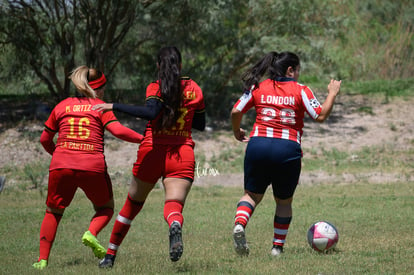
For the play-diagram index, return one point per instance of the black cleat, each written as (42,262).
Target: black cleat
(108,261)
(176,241)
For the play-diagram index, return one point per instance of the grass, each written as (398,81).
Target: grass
(374,223)
(395,88)
(385,158)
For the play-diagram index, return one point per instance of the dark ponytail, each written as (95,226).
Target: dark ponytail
(253,75)
(274,64)
(169,76)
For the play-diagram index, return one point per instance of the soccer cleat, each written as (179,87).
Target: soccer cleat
(277,250)
(108,261)
(240,243)
(176,241)
(90,240)
(40,264)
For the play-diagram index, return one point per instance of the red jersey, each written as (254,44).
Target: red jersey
(80,142)
(193,102)
(280,108)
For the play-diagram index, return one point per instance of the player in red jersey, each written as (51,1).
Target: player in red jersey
(78,159)
(174,105)
(273,154)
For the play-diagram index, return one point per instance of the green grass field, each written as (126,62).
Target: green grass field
(374,221)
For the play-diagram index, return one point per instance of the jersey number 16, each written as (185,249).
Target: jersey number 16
(78,130)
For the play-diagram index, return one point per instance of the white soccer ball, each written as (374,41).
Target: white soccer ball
(322,236)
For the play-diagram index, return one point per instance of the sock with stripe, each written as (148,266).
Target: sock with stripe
(243,213)
(281,226)
(173,210)
(100,220)
(122,223)
(48,233)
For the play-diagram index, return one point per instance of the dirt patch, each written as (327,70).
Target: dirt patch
(356,122)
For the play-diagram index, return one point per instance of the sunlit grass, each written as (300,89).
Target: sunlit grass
(374,224)
(385,158)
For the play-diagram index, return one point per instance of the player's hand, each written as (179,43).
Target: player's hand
(240,135)
(103,107)
(140,139)
(334,86)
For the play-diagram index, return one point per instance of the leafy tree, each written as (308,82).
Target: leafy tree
(214,38)
(52,36)
(218,39)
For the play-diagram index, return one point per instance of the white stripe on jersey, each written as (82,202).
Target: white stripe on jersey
(298,137)
(256,131)
(269,132)
(285,133)
(243,101)
(308,106)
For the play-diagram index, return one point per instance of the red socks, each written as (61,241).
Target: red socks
(100,220)
(243,213)
(48,233)
(122,224)
(281,226)
(173,210)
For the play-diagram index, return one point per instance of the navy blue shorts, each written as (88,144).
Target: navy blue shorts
(272,161)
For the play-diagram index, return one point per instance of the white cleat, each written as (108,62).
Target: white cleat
(277,250)
(240,243)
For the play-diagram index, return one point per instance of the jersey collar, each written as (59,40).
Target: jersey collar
(284,79)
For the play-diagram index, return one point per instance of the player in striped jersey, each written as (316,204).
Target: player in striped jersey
(174,105)
(273,154)
(78,159)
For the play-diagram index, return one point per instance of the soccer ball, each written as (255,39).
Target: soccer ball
(322,236)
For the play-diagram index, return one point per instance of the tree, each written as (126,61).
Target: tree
(218,40)
(52,36)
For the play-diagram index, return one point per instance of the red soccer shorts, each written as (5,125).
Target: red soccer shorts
(63,184)
(166,161)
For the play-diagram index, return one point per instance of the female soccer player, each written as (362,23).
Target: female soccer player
(174,105)
(78,159)
(273,154)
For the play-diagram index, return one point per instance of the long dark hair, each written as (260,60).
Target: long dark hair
(169,76)
(273,63)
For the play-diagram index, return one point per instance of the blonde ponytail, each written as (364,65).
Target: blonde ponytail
(79,77)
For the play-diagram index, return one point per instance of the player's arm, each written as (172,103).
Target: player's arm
(46,139)
(333,89)
(236,118)
(149,111)
(199,120)
(120,131)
